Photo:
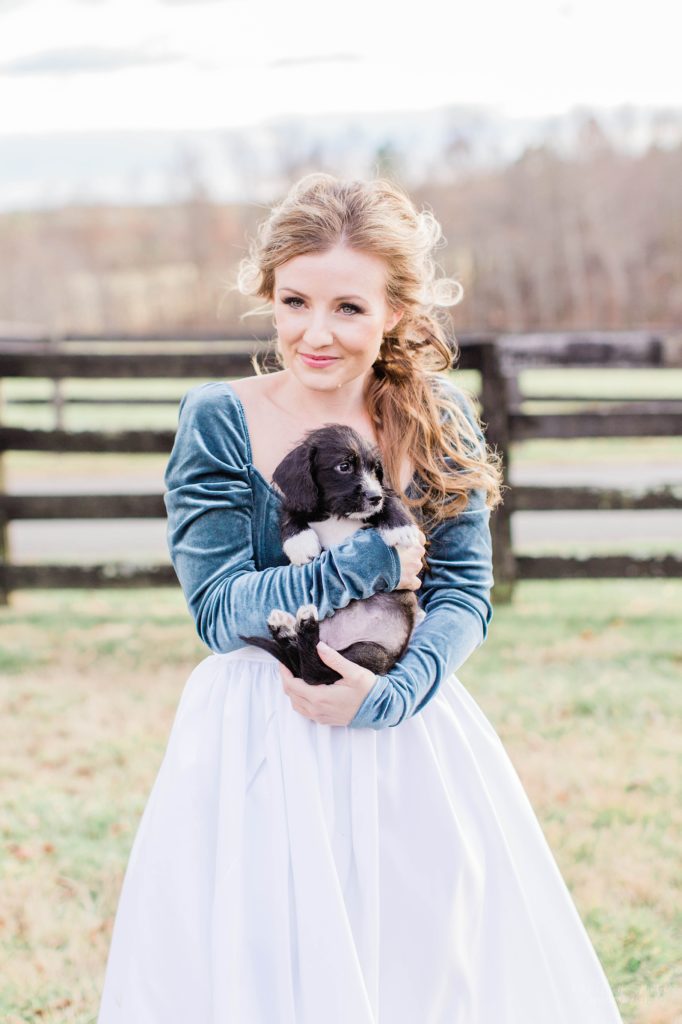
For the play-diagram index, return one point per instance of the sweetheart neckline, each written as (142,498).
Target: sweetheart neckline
(249,450)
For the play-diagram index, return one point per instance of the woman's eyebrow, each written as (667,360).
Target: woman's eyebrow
(286,288)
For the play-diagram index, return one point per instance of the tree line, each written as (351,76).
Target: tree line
(549,241)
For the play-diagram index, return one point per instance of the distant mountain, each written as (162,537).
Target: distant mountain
(256,162)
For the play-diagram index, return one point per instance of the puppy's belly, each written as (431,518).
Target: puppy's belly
(335,529)
(378,618)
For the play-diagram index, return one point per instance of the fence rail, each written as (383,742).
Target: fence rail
(499,359)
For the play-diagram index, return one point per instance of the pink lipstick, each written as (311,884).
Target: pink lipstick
(317,360)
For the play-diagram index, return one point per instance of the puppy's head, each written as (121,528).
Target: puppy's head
(334,470)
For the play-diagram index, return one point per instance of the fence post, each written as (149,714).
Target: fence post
(498,393)
(4,532)
(58,403)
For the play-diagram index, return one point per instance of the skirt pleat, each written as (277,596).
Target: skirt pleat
(286,872)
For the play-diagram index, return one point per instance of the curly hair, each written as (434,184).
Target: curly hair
(409,397)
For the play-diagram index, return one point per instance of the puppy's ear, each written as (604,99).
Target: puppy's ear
(294,477)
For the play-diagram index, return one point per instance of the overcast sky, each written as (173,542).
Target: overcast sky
(80,65)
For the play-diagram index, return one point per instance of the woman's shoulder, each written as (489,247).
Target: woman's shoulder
(228,396)
(211,396)
(256,384)
(210,414)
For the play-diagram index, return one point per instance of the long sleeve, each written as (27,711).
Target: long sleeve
(209,502)
(455,595)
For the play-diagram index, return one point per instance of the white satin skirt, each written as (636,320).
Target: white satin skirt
(286,872)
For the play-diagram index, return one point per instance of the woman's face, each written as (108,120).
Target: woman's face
(332,306)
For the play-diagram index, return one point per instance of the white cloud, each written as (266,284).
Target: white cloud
(229,62)
(75,60)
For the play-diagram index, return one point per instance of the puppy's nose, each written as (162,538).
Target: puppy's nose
(374,499)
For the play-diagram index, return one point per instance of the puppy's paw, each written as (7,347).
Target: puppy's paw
(306,613)
(303,547)
(419,616)
(282,623)
(400,535)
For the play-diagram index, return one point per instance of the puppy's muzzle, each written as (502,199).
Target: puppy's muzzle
(371,503)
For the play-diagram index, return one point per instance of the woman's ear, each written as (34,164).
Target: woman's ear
(295,478)
(393,319)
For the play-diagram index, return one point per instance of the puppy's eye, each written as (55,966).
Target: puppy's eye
(379,471)
(345,466)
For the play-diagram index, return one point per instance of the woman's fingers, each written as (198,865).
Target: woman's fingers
(330,705)
(335,660)
(351,673)
(299,693)
(298,688)
(410,566)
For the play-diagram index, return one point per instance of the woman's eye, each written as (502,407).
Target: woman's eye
(291,299)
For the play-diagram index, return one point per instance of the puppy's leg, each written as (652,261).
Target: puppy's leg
(283,644)
(394,523)
(282,626)
(369,655)
(313,669)
(300,543)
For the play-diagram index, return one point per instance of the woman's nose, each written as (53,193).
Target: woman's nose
(318,331)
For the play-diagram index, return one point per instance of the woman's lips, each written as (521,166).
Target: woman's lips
(317,361)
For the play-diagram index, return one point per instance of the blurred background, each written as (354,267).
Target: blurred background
(141,143)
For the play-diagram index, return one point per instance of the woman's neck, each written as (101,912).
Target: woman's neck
(313,405)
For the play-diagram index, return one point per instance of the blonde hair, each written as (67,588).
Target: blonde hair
(411,412)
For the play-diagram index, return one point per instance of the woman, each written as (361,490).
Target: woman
(362,852)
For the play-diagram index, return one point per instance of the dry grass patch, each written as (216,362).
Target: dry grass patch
(581,680)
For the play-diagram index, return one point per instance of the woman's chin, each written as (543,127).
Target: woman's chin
(314,377)
(329,379)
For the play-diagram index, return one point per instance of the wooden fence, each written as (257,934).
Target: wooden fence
(499,359)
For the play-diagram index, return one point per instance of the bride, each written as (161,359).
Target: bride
(363,852)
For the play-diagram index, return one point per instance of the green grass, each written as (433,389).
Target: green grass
(588,382)
(22,469)
(579,678)
(597,382)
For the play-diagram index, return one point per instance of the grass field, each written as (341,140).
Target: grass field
(580,679)
(587,383)
(644,461)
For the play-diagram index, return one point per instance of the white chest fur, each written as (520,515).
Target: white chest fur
(334,530)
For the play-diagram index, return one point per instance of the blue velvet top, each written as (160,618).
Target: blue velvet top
(224,542)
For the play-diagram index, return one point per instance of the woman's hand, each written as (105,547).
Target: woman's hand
(411,556)
(333,704)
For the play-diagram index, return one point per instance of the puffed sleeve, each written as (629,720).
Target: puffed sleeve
(209,503)
(455,594)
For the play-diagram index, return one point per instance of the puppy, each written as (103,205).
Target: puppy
(331,485)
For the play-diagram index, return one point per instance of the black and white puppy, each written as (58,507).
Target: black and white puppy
(331,485)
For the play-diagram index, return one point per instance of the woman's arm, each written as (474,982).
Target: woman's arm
(209,503)
(456,598)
